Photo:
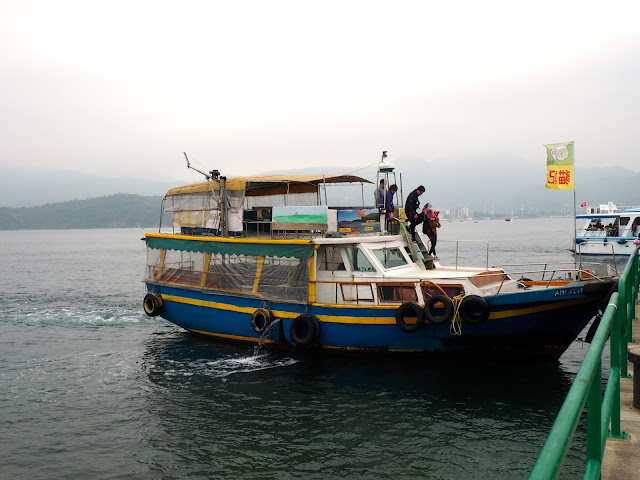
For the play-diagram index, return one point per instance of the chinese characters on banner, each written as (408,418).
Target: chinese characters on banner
(560,166)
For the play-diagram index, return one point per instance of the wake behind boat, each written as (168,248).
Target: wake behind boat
(265,259)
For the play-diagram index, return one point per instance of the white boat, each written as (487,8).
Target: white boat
(608,230)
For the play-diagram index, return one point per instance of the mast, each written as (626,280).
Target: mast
(223,211)
(214,176)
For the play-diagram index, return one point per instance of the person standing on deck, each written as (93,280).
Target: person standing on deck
(411,210)
(388,200)
(380,196)
(387,210)
(430,227)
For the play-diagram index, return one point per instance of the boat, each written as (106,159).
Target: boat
(608,230)
(266,261)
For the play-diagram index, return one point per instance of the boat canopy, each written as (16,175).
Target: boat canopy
(276,270)
(229,246)
(266,182)
(198,206)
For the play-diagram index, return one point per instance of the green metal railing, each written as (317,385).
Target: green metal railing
(603,412)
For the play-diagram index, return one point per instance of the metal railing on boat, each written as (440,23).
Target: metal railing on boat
(458,242)
(603,412)
(570,275)
(579,266)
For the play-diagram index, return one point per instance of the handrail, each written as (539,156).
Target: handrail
(457,242)
(417,285)
(603,412)
(581,265)
(578,251)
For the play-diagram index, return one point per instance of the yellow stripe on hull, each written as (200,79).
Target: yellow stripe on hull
(539,308)
(223,306)
(266,340)
(344,319)
(233,337)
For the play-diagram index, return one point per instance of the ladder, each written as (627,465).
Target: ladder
(418,249)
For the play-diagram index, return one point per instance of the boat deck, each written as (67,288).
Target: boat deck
(490,280)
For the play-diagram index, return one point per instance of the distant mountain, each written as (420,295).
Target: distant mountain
(119,210)
(484,185)
(20,187)
(499,185)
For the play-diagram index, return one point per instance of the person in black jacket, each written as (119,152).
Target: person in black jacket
(411,210)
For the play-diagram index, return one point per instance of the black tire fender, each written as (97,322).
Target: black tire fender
(261,319)
(152,304)
(597,287)
(303,330)
(412,309)
(474,309)
(434,301)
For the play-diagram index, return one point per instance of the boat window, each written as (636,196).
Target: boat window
(595,224)
(430,289)
(624,221)
(330,258)
(397,292)
(268,277)
(390,257)
(359,262)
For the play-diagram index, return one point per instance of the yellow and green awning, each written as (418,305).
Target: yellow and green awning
(231,246)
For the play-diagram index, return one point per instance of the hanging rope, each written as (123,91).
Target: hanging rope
(456,322)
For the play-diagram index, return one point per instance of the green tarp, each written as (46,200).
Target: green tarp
(231,248)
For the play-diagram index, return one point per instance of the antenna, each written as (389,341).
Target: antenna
(212,175)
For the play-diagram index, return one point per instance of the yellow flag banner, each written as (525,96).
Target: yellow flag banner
(560,166)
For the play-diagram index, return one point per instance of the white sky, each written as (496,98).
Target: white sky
(122,88)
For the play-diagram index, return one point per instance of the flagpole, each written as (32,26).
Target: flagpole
(575,229)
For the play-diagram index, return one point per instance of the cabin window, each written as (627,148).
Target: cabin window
(430,289)
(390,257)
(330,259)
(624,221)
(268,277)
(359,262)
(595,224)
(177,266)
(397,292)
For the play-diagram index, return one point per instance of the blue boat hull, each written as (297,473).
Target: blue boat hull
(540,323)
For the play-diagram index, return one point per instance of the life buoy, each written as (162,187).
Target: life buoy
(474,309)
(261,319)
(438,309)
(409,310)
(303,330)
(152,304)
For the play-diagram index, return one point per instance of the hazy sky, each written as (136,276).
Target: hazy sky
(122,88)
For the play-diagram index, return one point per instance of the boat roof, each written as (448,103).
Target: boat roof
(610,215)
(262,181)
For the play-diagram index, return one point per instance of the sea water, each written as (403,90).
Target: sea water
(90,387)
